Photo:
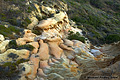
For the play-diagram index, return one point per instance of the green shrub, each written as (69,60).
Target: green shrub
(95,21)
(79,19)
(8,32)
(13,21)
(11,66)
(112,38)
(12,44)
(76,36)
(27,46)
(82,1)
(97,3)
(96,34)
(26,22)
(109,3)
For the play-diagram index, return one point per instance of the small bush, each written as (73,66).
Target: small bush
(13,21)
(12,44)
(97,3)
(8,32)
(112,38)
(27,46)
(94,20)
(11,67)
(79,19)
(96,34)
(76,36)
(26,22)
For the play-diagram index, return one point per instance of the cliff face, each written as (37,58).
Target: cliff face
(45,44)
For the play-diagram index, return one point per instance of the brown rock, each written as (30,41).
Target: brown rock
(36,46)
(45,24)
(70,54)
(41,73)
(44,64)
(68,42)
(28,37)
(55,50)
(54,60)
(108,72)
(43,51)
(65,47)
(54,39)
(34,67)
(28,34)
(23,41)
(50,62)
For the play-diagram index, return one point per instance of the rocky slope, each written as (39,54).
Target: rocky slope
(50,48)
(99,19)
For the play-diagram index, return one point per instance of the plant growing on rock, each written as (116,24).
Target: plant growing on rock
(27,46)
(8,31)
(76,36)
(112,38)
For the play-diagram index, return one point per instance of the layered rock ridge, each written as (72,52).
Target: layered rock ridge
(50,55)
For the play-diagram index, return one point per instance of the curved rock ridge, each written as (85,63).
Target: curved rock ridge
(55,26)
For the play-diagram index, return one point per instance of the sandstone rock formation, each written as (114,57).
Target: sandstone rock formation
(3,45)
(12,54)
(1,38)
(54,57)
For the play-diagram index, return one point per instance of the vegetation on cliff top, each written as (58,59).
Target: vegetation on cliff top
(100,18)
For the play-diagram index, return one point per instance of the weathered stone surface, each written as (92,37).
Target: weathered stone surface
(1,38)
(48,10)
(60,16)
(68,42)
(23,41)
(29,35)
(65,47)
(36,46)
(111,72)
(34,21)
(41,73)
(29,69)
(55,50)
(70,54)
(27,38)
(12,54)
(34,66)
(3,45)
(25,69)
(96,52)
(55,76)
(44,64)
(43,52)
(45,24)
